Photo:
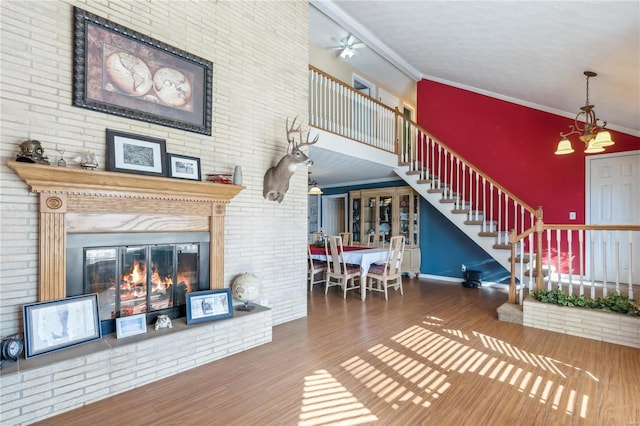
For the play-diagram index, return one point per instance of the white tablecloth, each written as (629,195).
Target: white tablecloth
(364,258)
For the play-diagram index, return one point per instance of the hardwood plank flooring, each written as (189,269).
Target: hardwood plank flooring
(435,356)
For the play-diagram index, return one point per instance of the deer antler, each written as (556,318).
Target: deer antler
(291,138)
(291,129)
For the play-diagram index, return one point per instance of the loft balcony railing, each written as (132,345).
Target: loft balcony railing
(583,259)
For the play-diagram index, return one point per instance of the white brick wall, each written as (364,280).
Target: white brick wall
(582,322)
(72,378)
(260,56)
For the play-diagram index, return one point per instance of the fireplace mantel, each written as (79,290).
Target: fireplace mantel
(89,201)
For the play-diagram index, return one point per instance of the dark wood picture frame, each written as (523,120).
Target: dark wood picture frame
(119,71)
(131,153)
(209,305)
(183,167)
(58,324)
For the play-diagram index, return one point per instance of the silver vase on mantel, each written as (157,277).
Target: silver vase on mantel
(237,175)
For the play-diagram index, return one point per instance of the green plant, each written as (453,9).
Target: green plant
(613,302)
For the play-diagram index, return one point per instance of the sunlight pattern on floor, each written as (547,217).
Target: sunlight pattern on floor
(327,402)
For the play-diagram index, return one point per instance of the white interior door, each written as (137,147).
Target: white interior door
(613,198)
(334,214)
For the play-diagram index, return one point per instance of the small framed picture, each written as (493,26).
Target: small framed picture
(130,153)
(209,305)
(183,167)
(131,325)
(58,324)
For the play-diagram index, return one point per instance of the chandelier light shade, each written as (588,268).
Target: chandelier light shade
(589,128)
(315,189)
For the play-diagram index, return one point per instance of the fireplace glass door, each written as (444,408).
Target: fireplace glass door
(140,279)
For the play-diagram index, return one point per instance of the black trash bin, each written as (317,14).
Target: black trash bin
(472,279)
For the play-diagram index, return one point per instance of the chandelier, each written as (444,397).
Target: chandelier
(592,133)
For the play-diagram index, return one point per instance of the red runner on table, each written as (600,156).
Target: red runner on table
(320,250)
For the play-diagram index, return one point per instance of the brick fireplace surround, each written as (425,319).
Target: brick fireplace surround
(84,201)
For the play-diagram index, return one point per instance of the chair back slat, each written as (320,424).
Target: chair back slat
(394,257)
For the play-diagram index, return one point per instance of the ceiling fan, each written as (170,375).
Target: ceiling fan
(347,46)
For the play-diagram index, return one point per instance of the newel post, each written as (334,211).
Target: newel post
(512,282)
(539,230)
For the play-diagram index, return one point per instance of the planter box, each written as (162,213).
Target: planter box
(593,324)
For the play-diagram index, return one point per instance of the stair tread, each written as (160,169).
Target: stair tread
(488,234)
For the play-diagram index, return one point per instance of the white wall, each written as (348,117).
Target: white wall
(260,55)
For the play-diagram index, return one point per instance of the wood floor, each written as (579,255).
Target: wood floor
(435,356)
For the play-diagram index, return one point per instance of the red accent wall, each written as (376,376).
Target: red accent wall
(514,145)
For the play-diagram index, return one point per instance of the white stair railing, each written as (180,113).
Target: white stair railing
(585,260)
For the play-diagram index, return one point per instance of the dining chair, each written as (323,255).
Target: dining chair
(346,238)
(316,267)
(374,240)
(338,271)
(382,275)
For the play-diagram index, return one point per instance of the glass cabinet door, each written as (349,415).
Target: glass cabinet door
(356,213)
(416,220)
(369,216)
(404,217)
(385,217)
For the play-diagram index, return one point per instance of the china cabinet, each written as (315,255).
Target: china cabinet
(388,212)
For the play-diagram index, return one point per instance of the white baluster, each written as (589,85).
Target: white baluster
(603,238)
(570,259)
(476,207)
(581,259)
(558,256)
(548,257)
(485,215)
(592,263)
(629,279)
(617,239)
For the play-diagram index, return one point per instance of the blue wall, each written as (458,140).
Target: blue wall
(444,247)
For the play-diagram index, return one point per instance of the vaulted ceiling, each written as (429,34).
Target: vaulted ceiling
(529,52)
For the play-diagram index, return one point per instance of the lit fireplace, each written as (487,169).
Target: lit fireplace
(134,273)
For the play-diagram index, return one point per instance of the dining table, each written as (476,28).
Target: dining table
(355,255)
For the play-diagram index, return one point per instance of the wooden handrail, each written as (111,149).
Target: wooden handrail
(351,89)
(468,163)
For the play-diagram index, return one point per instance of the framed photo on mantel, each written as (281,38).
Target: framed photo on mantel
(131,153)
(119,71)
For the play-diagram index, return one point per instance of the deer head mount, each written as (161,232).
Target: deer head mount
(276,179)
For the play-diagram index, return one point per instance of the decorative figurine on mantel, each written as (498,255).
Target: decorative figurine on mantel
(87,160)
(163,321)
(61,161)
(31,152)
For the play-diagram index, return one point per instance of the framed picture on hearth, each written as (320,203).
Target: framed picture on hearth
(130,153)
(119,71)
(131,325)
(209,305)
(183,167)
(58,324)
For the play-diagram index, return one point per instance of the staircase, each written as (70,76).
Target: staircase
(580,259)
